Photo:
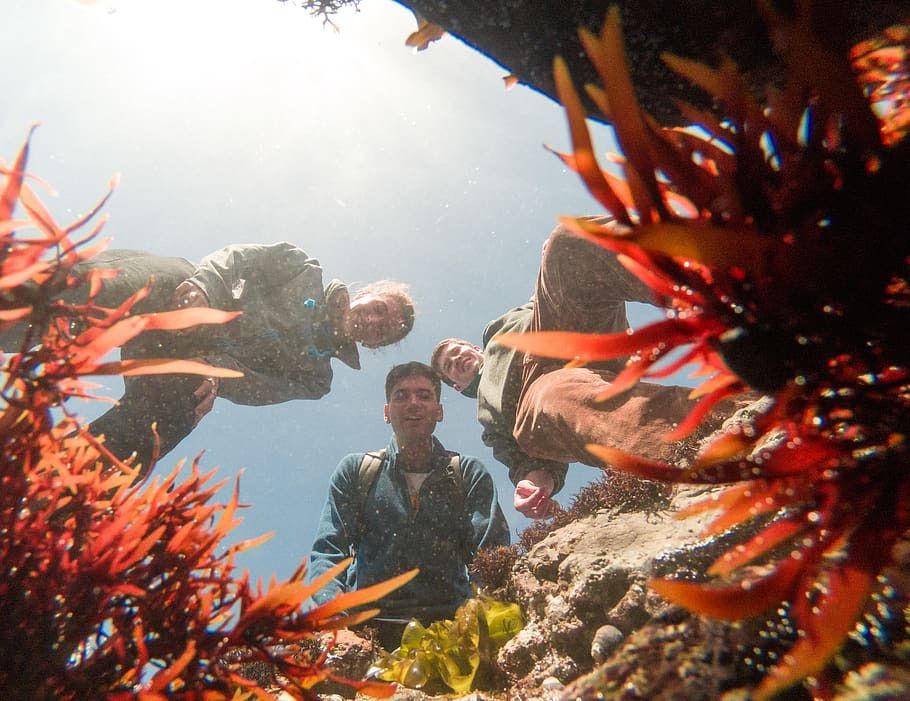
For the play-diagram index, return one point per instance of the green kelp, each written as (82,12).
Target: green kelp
(452,651)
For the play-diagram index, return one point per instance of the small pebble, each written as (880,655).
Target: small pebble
(606,640)
(551,684)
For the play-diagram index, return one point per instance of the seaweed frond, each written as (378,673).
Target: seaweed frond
(776,235)
(111,588)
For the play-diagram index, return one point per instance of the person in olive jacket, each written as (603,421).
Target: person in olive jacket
(539,415)
(420,506)
(290,328)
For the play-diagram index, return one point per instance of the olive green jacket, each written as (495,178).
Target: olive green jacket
(585,289)
(284,340)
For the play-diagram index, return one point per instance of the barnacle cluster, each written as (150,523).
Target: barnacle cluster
(776,235)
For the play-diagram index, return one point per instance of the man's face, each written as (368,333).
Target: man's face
(459,362)
(413,409)
(375,319)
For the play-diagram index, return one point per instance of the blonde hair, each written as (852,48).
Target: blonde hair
(398,292)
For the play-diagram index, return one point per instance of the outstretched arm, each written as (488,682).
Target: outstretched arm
(535,479)
(336,534)
(488,524)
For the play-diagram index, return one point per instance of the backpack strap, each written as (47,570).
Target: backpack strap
(367,473)
(455,475)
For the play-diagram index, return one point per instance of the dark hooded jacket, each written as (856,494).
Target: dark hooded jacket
(282,342)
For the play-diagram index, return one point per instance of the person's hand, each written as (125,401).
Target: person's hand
(204,398)
(532,495)
(189,294)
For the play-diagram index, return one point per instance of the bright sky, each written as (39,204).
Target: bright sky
(248,121)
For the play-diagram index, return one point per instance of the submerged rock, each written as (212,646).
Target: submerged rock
(587,598)
(590,574)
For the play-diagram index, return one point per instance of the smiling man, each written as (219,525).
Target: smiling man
(412,504)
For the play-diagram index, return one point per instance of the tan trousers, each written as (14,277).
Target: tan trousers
(582,287)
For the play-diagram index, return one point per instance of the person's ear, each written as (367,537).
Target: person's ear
(385,414)
(439,414)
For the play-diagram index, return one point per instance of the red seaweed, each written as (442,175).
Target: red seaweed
(110,589)
(788,274)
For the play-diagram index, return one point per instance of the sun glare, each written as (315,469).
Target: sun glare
(209,48)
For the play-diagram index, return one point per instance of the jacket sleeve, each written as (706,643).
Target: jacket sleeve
(505,450)
(336,533)
(257,388)
(224,274)
(499,387)
(488,525)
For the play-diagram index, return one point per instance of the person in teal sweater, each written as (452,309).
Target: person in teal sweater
(424,507)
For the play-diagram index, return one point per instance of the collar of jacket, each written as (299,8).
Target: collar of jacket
(471,389)
(337,299)
(439,452)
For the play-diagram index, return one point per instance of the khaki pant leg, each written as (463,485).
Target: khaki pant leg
(558,416)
